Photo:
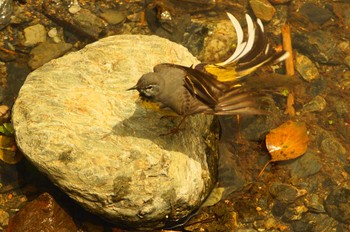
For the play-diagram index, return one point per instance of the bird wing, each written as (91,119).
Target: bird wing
(249,55)
(205,87)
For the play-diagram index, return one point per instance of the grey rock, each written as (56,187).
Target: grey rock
(306,165)
(77,123)
(337,204)
(332,148)
(306,68)
(285,193)
(5,12)
(83,23)
(113,17)
(34,34)
(347,61)
(47,51)
(317,104)
(314,204)
(89,23)
(315,13)
(262,9)
(313,45)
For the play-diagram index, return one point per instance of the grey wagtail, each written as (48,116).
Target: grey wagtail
(214,89)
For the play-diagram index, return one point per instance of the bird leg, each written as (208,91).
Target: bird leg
(175,129)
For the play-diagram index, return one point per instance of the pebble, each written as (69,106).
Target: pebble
(4,218)
(52,32)
(306,68)
(47,215)
(337,204)
(314,46)
(294,213)
(332,148)
(279,1)
(262,9)
(306,165)
(285,193)
(314,204)
(47,51)
(347,61)
(113,17)
(315,13)
(34,34)
(75,7)
(317,104)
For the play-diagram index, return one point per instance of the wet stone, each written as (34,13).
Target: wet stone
(95,141)
(42,214)
(113,17)
(84,23)
(314,204)
(262,9)
(337,204)
(332,148)
(306,165)
(4,218)
(47,51)
(315,13)
(279,1)
(306,68)
(317,104)
(294,213)
(285,193)
(313,45)
(314,222)
(34,34)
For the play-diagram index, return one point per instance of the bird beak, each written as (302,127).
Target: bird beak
(132,88)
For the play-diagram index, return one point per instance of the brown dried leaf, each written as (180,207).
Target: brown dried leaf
(288,141)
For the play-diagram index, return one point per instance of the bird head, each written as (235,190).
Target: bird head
(148,86)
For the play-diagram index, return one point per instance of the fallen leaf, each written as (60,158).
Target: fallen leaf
(288,141)
(8,150)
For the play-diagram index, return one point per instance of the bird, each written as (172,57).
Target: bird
(215,89)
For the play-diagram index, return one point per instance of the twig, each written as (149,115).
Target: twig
(287,46)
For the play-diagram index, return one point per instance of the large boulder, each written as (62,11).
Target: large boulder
(75,121)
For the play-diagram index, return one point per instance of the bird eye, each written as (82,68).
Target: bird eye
(149,87)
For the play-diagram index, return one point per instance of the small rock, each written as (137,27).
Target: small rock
(279,1)
(314,205)
(113,17)
(45,52)
(347,61)
(34,34)
(337,204)
(306,165)
(314,222)
(320,45)
(285,193)
(4,218)
(75,8)
(262,9)
(42,214)
(315,13)
(89,23)
(294,213)
(306,68)
(332,148)
(52,32)
(317,104)
(4,112)
(5,13)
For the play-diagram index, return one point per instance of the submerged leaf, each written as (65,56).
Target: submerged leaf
(8,150)
(288,141)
